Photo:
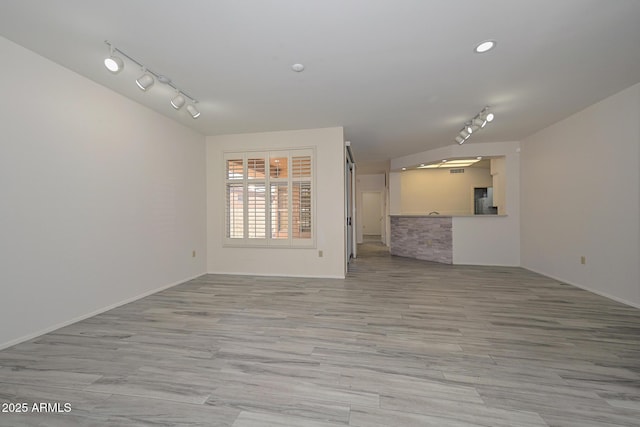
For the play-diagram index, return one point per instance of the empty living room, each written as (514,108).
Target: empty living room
(320,213)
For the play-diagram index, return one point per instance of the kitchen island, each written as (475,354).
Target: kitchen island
(426,237)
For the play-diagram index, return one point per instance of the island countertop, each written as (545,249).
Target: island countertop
(446,216)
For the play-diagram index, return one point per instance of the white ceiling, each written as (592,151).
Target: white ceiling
(399,75)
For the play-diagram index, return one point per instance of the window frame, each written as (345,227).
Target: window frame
(268,241)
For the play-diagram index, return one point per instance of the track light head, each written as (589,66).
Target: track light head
(490,117)
(145,81)
(479,123)
(460,139)
(115,64)
(464,134)
(177,102)
(193,111)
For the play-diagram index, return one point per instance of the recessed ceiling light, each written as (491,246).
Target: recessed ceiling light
(297,68)
(404,169)
(485,46)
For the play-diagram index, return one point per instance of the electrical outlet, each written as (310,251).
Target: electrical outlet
(583,259)
(193,254)
(320,254)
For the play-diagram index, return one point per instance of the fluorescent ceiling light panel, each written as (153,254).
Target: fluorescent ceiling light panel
(457,163)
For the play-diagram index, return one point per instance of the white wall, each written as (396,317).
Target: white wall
(395,193)
(368,183)
(330,208)
(499,177)
(486,240)
(428,190)
(103,200)
(580,185)
(482,240)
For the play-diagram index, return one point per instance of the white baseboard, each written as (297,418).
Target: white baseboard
(93,313)
(484,264)
(586,288)
(275,275)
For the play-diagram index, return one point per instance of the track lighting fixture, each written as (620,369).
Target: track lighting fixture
(178,101)
(145,81)
(193,111)
(478,122)
(115,64)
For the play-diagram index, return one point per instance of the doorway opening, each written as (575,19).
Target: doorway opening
(372,216)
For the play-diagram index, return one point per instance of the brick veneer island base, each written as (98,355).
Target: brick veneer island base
(422,237)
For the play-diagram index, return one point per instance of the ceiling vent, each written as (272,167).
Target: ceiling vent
(456,170)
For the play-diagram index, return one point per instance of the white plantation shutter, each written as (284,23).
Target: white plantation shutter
(269,198)
(301,166)
(256,168)
(256,211)
(279,210)
(301,200)
(301,210)
(235,169)
(235,210)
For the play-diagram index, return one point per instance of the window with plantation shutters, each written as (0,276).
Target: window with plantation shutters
(269,198)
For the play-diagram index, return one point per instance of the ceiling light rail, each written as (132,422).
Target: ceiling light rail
(479,121)
(115,64)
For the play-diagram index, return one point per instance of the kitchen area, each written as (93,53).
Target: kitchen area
(451,206)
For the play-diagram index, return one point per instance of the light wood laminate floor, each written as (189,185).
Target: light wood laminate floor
(400,342)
